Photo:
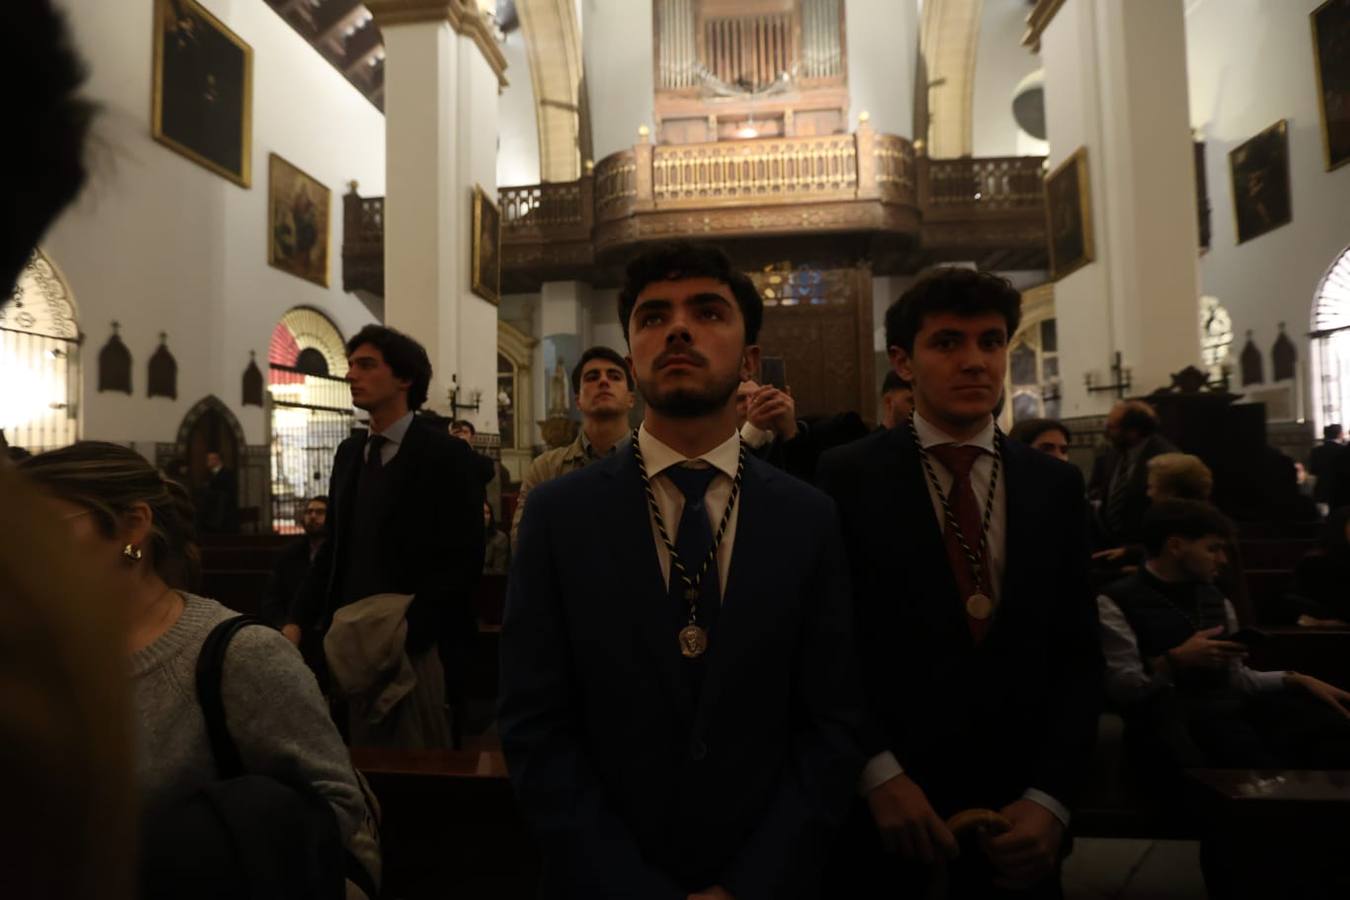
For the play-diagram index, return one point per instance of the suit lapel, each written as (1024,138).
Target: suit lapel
(635,558)
(749,553)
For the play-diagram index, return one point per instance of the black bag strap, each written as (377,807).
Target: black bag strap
(210,675)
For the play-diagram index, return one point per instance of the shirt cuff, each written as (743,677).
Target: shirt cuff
(879,770)
(755,437)
(1041,798)
(1267,682)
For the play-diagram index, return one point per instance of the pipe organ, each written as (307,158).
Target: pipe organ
(749,68)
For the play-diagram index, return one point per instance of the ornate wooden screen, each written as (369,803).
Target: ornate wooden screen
(820,322)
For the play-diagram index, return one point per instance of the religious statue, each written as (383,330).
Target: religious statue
(557,391)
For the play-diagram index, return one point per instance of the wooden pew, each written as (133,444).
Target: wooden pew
(1282,553)
(450,826)
(1268,590)
(235,567)
(1321,652)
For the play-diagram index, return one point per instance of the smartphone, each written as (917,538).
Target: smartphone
(773,371)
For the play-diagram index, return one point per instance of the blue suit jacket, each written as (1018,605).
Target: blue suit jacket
(634,789)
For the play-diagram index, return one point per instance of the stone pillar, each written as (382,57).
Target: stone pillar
(1115,83)
(443,71)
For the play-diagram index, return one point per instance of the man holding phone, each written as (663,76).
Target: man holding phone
(1176,663)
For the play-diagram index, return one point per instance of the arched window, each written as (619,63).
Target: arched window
(311,409)
(1331,344)
(1033,360)
(39,360)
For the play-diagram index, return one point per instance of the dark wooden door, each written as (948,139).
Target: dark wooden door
(820,322)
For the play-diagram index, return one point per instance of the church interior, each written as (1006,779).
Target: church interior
(1165,182)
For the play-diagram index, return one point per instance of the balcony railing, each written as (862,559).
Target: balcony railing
(1000,182)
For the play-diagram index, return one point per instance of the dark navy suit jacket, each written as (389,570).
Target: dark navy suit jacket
(634,788)
(973,725)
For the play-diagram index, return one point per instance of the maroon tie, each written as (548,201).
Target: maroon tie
(959,460)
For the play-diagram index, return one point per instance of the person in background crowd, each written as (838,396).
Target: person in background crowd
(602,387)
(772,431)
(1322,462)
(1120,477)
(71,834)
(497,558)
(897,400)
(218,499)
(975,623)
(1049,436)
(677,707)
(1322,578)
(293,566)
(132,529)
(1176,670)
(404,522)
(494,476)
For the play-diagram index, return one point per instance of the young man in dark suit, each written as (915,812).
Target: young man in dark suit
(677,705)
(405,517)
(976,629)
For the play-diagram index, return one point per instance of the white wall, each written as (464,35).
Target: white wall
(882,39)
(518,143)
(617,58)
(1250,64)
(1001,62)
(160,243)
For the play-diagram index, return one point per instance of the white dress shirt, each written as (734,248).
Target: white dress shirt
(670,500)
(393,439)
(884,766)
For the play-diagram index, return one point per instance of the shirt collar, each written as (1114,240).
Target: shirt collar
(395,433)
(930,435)
(725,457)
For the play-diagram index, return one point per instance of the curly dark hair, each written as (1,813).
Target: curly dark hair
(690,259)
(404,355)
(1190,519)
(964,292)
(1027,430)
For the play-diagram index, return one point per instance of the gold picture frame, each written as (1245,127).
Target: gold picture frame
(1068,216)
(299,213)
(1259,177)
(202,99)
(486,248)
(1331,61)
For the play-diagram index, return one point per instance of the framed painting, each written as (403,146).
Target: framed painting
(487,243)
(203,89)
(1068,215)
(298,209)
(1331,55)
(1260,170)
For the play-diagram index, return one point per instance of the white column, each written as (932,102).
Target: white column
(441,140)
(1115,82)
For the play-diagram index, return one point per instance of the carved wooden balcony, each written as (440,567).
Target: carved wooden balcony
(863,194)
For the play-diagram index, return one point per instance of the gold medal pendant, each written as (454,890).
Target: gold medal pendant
(978,606)
(693,641)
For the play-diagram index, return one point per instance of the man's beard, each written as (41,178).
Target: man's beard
(690,402)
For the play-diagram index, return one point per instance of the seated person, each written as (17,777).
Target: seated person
(293,566)
(1046,435)
(1322,578)
(1188,697)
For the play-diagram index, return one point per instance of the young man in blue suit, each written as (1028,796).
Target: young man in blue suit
(677,705)
(976,628)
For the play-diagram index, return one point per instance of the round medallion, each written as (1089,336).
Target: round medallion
(978,606)
(693,641)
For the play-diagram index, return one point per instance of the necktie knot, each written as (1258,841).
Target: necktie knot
(693,483)
(957,459)
(374,445)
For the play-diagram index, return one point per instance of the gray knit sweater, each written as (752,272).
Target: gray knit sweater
(273,707)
